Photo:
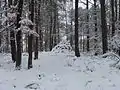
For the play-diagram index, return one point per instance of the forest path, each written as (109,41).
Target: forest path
(59,72)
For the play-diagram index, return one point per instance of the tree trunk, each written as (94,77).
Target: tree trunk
(71,26)
(7,32)
(36,27)
(104,27)
(96,30)
(40,28)
(54,27)
(116,10)
(113,17)
(119,10)
(51,27)
(119,21)
(19,36)
(30,37)
(66,23)
(51,21)
(87,27)
(12,39)
(77,53)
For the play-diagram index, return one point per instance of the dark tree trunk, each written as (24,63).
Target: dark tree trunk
(40,30)
(87,7)
(12,39)
(30,51)
(41,39)
(119,21)
(77,53)
(19,35)
(13,45)
(54,27)
(30,37)
(116,10)
(36,27)
(46,39)
(113,17)
(119,10)
(7,32)
(66,23)
(58,30)
(71,35)
(71,26)
(104,27)
(50,46)
(51,28)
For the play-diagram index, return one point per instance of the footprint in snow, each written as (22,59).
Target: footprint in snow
(40,76)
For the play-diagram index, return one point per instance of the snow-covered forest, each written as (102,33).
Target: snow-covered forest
(59,44)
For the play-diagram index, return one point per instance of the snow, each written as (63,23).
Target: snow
(63,47)
(60,71)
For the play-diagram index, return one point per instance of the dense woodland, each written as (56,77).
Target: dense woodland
(34,26)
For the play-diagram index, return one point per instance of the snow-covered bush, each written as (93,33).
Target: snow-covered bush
(63,47)
(114,43)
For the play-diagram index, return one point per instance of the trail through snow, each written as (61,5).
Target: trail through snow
(59,72)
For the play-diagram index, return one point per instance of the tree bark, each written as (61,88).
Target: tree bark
(119,10)
(71,26)
(113,17)
(116,10)
(104,27)
(96,30)
(87,27)
(51,27)
(54,27)
(19,36)
(12,38)
(77,53)
(30,37)
(36,27)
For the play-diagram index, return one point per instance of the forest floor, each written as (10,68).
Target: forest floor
(60,71)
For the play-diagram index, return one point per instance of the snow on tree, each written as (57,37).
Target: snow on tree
(63,47)
(25,23)
(114,43)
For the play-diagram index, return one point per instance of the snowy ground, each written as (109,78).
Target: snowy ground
(60,72)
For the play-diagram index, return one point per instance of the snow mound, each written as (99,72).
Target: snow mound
(63,47)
